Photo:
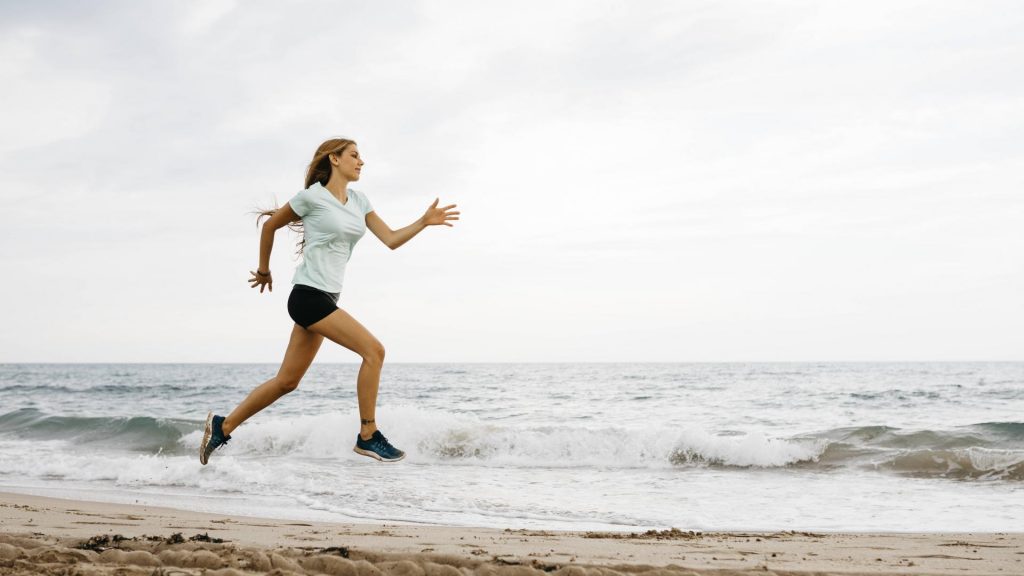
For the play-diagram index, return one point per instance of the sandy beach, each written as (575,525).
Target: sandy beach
(40,535)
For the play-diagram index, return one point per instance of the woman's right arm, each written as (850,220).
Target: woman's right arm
(281,218)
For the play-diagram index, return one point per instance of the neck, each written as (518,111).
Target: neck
(337,185)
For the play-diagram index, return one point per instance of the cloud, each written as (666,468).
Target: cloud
(668,181)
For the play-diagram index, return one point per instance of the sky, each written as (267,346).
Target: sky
(651,181)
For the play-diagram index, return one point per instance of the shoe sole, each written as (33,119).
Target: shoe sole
(376,456)
(206,439)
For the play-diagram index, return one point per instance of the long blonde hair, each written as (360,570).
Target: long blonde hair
(319,171)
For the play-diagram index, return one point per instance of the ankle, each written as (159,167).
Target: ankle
(367,428)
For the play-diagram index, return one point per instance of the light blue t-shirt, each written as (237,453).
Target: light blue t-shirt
(331,230)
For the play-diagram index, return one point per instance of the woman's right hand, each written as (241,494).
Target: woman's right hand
(260,280)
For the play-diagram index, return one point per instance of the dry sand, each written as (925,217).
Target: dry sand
(53,536)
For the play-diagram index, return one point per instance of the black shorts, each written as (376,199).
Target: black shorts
(308,305)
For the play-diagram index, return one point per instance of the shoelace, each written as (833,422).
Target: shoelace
(383,443)
(223,437)
(223,442)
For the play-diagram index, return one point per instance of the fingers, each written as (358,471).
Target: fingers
(434,205)
(259,281)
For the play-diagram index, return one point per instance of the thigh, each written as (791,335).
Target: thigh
(302,348)
(340,327)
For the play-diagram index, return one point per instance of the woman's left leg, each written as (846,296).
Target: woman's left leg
(342,328)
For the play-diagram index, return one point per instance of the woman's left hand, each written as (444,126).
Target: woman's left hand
(434,215)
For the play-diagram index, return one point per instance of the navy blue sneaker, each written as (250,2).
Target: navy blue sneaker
(378,447)
(213,437)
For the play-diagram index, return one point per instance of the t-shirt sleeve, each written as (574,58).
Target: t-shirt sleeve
(301,203)
(365,202)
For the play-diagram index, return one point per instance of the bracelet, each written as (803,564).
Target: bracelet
(261,273)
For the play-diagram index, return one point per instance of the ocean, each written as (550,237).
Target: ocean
(901,447)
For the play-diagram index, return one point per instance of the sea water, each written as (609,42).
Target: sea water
(831,447)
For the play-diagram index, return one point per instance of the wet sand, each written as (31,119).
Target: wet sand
(40,535)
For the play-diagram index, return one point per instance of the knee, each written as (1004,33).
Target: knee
(286,384)
(375,353)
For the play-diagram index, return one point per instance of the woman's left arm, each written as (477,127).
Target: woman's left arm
(394,238)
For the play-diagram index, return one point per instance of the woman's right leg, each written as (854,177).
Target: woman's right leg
(302,348)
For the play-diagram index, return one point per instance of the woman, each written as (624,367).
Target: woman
(332,219)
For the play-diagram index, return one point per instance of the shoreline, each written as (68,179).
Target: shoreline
(39,534)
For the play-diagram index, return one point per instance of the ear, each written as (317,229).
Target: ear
(333,159)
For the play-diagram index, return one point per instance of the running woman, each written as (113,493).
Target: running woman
(332,218)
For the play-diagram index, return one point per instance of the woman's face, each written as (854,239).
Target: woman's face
(348,163)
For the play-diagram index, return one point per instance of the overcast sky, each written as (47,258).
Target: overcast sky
(638,181)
